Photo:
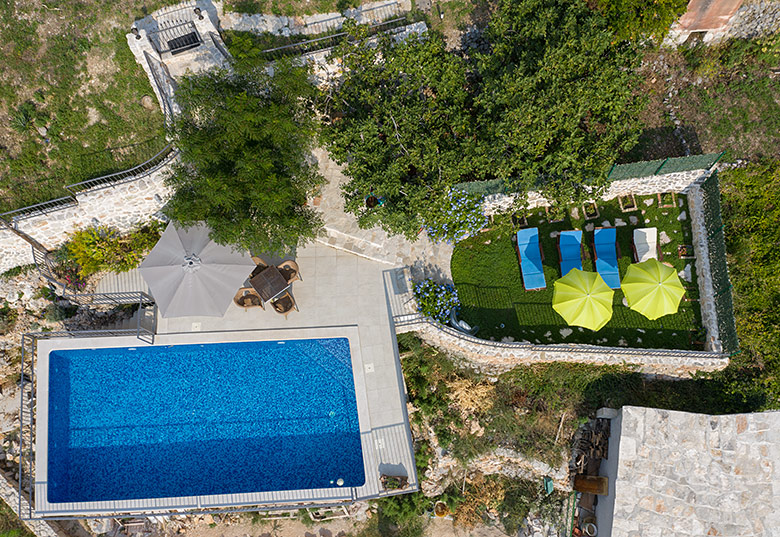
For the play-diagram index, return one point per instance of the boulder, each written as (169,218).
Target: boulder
(147,102)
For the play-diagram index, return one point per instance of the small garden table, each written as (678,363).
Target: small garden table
(269,283)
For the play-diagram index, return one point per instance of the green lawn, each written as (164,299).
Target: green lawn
(486,272)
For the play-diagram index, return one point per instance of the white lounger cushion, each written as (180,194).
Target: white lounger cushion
(646,243)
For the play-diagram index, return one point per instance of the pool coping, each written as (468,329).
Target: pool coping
(377,443)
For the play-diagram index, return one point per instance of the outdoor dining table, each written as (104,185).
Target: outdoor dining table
(269,283)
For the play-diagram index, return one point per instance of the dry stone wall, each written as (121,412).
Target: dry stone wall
(680,182)
(120,207)
(9,493)
(755,19)
(494,358)
(318,23)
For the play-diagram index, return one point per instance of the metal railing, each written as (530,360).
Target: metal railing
(412,319)
(220,46)
(719,271)
(175,37)
(162,80)
(118,178)
(634,170)
(38,209)
(27,375)
(328,41)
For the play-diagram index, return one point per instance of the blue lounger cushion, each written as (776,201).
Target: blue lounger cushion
(530,259)
(569,245)
(605,243)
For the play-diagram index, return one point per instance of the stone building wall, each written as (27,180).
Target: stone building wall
(120,207)
(755,19)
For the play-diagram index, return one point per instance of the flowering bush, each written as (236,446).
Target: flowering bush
(455,216)
(436,300)
(102,248)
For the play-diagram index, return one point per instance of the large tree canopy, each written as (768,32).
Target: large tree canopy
(403,124)
(559,99)
(549,108)
(244,140)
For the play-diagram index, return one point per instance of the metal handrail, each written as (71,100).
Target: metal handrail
(328,37)
(29,347)
(409,319)
(167,109)
(38,209)
(220,47)
(118,178)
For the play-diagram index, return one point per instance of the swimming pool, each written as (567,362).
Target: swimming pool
(187,420)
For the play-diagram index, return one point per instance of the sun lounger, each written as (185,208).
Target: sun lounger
(605,246)
(646,244)
(570,251)
(529,253)
(460,324)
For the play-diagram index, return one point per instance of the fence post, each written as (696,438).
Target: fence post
(661,166)
(611,170)
(714,162)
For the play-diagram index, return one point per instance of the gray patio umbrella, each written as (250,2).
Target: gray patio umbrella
(189,274)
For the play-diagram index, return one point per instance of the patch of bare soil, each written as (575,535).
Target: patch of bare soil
(335,528)
(279,528)
(100,68)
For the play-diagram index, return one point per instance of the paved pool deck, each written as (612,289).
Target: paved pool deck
(341,295)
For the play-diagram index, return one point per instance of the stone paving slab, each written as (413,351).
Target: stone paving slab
(425,257)
(683,474)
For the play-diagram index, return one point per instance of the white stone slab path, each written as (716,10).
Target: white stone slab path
(425,257)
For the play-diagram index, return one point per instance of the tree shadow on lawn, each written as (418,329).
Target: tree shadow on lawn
(498,317)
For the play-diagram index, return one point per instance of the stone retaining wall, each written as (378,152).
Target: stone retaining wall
(679,182)
(9,493)
(709,315)
(494,358)
(120,207)
(367,13)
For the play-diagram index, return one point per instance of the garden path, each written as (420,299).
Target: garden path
(424,257)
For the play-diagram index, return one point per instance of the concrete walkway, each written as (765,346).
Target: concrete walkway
(424,257)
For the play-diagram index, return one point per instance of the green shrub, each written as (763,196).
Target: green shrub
(16,271)
(56,313)
(436,300)
(248,7)
(343,5)
(23,117)
(8,318)
(638,19)
(305,518)
(102,248)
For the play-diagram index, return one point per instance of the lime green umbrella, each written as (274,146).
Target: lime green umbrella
(652,288)
(583,299)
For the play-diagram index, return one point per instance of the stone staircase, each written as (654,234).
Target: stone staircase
(147,316)
(424,257)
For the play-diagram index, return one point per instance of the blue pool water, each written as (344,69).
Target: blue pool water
(184,420)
